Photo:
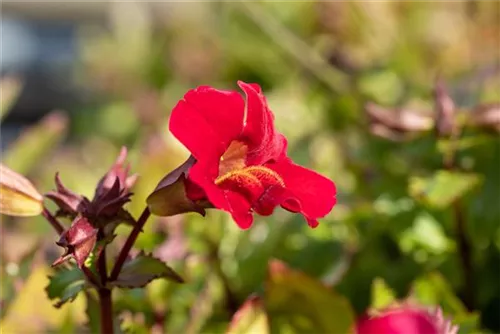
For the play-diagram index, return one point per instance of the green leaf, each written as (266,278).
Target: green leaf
(433,289)
(92,311)
(382,295)
(426,233)
(10,87)
(143,269)
(298,303)
(65,285)
(36,142)
(250,318)
(443,188)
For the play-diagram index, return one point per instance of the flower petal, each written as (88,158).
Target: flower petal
(313,195)
(206,121)
(265,143)
(240,209)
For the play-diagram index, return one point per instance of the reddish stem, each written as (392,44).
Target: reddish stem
(106,311)
(53,221)
(129,243)
(101,266)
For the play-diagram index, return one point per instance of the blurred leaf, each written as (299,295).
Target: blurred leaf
(444,145)
(10,88)
(65,285)
(427,233)
(18,196)
(299,302)
(443,188)
(382,294)
(250,318)
(32,312)
(433,290)
(35,143)
(384,87)
(143,269)
(93,312)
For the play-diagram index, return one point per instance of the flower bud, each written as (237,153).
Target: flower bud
(445,110)
(18,196)
(79,240)
(406,319)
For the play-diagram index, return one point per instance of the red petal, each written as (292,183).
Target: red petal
(264,142)
(398,322)
(206,121)
(313,195)
(239,209)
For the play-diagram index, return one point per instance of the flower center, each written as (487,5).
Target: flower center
(251,181)
(261,174)
(233,158)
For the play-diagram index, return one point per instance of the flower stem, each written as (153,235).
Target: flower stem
(464,248)
(129,243)
(101,266)
(106,311)
(90,276)
(53,221)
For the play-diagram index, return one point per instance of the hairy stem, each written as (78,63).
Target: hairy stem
(106,306)
(53,221)
(129,243)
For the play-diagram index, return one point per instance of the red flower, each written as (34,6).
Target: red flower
(240,162)
(406,319)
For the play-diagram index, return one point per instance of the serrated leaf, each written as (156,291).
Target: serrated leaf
(443,188)
(143,269)
(298,302)
(382,295)
(65,285)
(250,318)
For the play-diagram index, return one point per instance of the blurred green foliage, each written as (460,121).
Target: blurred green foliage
(394,229)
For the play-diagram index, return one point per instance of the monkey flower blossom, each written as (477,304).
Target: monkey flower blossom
(239,161)
(406,318)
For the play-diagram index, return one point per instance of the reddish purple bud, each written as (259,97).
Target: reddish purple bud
(445,110)
(113,192)
(106,208)
(118,172)
(79,240)
(69,203)
(406,319)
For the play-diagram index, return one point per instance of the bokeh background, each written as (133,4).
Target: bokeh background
(79,80)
